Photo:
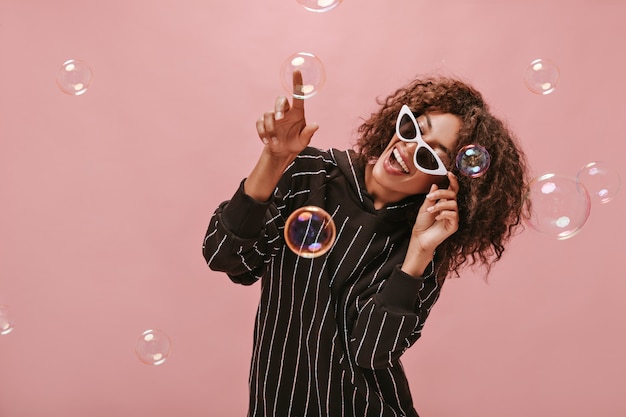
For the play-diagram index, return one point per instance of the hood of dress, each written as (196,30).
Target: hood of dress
(353,169)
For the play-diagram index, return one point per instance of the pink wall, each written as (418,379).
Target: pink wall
(106,196)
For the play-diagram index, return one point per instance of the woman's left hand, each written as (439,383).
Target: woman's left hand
(438,217)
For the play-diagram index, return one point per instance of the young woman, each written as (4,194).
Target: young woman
(330,330)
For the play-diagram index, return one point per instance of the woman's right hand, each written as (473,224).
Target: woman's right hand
(284,131)
(285,134)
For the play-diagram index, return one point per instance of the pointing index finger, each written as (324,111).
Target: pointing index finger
(298,84)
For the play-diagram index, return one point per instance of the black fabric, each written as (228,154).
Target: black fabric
(329,331)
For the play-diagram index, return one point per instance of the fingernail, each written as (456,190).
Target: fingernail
(279,115)
(274,140)
(265,141)
(430,209)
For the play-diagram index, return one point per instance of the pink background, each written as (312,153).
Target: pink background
(106,197)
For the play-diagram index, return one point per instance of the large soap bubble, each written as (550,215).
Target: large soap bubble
(601,180)
(310,231)
(473,161)
(542,76)
(153,347)
(559,205)
(6,320)
(319,5)
(312,70)
(74,77)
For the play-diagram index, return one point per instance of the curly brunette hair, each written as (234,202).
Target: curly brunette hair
(492,206)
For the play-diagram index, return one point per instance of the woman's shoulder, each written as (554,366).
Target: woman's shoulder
(331,156)
(326,163)
(312,156)
(313,152)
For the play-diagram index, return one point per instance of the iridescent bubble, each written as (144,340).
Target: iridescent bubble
(542,76)
(310,232)
(313,74)
(600,180)
(319,5)
(559,206)
(473,161)
(153,347)
(74,77)
(6,320)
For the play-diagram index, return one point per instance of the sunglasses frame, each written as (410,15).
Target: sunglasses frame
(441,168)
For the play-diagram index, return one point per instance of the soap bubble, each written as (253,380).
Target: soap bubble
(313,74)
(6,320)
(310,231)
(319,5)
(74,77)
(559,205)
(473,161)
(600,180)
(153,347)
(542,76)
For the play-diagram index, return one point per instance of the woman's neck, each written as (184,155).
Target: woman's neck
(380,195)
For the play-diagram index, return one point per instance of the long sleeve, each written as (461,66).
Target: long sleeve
(243,234)
(330,330)
(390,321)
(240,237)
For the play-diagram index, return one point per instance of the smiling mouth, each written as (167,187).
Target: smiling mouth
(396,159)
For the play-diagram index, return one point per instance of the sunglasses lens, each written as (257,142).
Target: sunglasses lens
(407,128)
(425,159)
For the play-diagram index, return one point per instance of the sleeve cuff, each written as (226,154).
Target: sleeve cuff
(243,215)
(401,292)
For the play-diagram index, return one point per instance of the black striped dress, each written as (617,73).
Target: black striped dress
(329,331)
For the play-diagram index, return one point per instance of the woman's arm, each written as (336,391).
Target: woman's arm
(438,218)
(285,134)
(243,232)
(391,320)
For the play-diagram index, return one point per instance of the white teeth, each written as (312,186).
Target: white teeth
(398,157)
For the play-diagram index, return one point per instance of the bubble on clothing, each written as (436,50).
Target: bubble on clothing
(473,161)
(559,206)
(310,231)
(313,74)
(542,76)
(153,347)
(74,77)
(319,5)
(601,181)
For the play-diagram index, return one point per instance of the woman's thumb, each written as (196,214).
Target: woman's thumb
(308,131)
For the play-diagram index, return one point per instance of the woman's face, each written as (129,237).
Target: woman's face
(394,175)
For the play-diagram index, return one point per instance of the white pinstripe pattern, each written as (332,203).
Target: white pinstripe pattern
(378,337)
(280,281)
(345,254)
(216,250)
(317,316)
(306,288)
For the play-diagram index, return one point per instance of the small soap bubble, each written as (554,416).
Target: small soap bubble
(602,181)
(310,232)
(319,5)
(559,206)
(542,76)
(6,320)
(74,77)
(153,347)
(313,74)
(473,161)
